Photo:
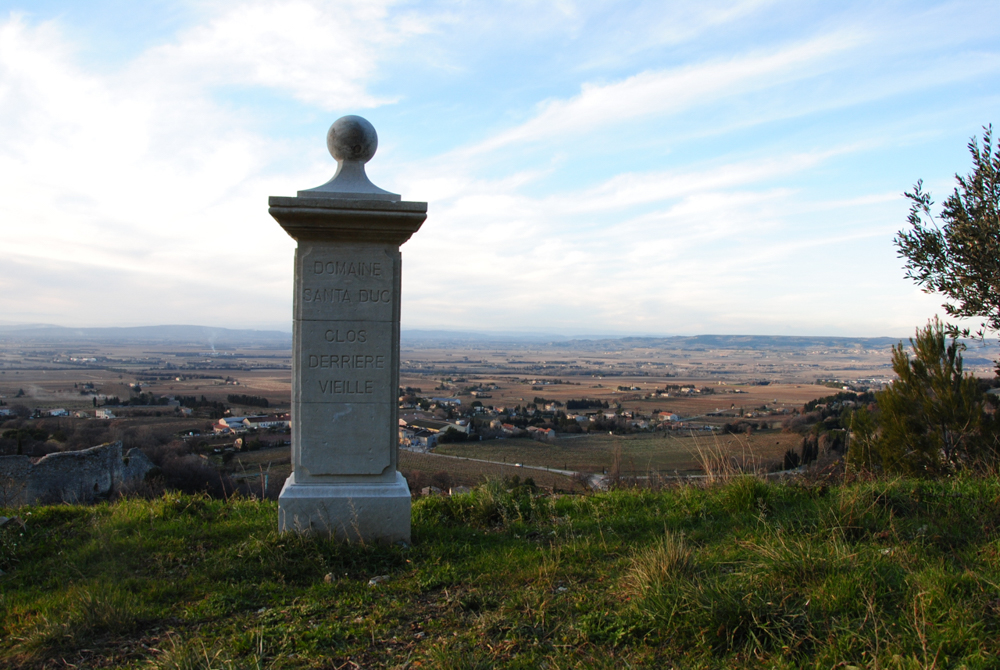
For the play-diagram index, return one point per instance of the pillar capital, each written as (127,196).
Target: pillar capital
(347,220)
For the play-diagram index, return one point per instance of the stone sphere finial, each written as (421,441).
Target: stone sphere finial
(352,138)
(352,141)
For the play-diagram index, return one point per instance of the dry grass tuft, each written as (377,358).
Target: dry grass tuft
(657,565)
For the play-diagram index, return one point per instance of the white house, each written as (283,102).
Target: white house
(231,424)
(277,421)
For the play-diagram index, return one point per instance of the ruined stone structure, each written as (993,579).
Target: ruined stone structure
(71,476)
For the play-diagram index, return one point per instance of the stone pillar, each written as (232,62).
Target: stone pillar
(345,352)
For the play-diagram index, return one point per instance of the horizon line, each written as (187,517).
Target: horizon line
(8,327)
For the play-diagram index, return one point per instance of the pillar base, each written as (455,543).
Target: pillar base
(377,512)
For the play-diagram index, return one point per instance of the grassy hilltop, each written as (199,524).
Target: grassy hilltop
(901,573)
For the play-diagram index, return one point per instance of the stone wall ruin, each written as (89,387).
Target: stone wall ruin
(71,476)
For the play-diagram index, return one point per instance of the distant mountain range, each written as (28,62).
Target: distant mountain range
(442,339)
(208,336)
(436,338)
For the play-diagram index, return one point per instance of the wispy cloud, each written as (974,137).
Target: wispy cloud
(598,108)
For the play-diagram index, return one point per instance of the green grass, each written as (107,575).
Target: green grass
(896,574)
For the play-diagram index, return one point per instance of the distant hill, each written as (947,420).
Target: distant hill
(443,338)
(752,342)
(210,336)
(978,352)
(436,338)
(175,334)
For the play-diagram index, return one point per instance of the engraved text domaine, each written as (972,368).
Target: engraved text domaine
(347,268)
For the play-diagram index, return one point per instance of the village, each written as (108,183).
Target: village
(488,404)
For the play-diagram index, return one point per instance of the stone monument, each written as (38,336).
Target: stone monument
(345,352)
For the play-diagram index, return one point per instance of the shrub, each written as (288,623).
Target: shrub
(452,435)
(933,419)
(498,502)
(248,400)
(182,471)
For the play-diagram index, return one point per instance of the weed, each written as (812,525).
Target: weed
(195,655)
(85,613)
(459,656)
(655,567)
(746,493)
(498,502)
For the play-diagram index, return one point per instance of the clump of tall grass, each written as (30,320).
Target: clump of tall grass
(460,656)
(746,493)
(800,558)
(652,568)
(721,464)
(495,503)
(84,613)
(716,605)
(196,655)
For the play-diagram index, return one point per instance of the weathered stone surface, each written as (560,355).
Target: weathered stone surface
(336,439)
(350,512)
(345,360)
(135,466)
(70,476)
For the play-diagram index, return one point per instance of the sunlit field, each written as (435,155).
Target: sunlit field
(637,454)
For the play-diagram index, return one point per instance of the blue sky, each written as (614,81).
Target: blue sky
(590,168)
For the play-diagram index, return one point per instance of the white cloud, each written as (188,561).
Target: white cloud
(324,54)
(134,185)
(143,183)
(144,187)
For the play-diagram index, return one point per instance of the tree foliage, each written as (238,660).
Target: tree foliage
(932,420)
(247,400)
(960,258)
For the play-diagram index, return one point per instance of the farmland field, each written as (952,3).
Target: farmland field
(470,473)
(639,453)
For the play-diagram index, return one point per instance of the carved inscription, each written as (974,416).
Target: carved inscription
(343,295)
(348,268)
(340,336)
(350,283)
(352,361)
(345,362)
(346,386)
